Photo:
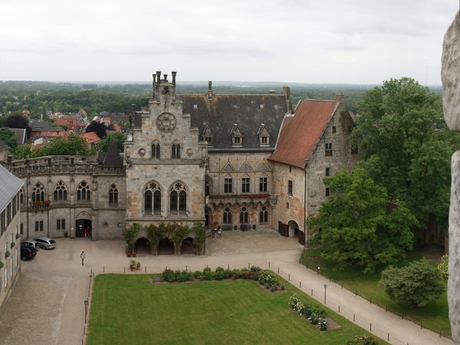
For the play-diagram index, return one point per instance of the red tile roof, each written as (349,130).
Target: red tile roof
(91,137)
(301,132)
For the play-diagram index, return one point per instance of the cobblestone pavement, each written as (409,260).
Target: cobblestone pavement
(47,303)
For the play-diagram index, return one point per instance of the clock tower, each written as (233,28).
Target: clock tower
(165,161)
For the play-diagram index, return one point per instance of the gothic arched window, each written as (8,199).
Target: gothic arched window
(175,150)
(38,193)
(263,215)
(152,198)
(83,192)
(244,216)
(113,194)
(156,150)
(178,198)
(227,216)
(60,192)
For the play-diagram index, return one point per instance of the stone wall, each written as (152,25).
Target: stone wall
(451,102)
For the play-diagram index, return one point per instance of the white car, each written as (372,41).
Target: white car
(45,242)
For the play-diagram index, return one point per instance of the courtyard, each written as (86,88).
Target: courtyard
(47,305)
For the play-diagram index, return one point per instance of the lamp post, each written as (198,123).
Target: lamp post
(325,289)
(86,309)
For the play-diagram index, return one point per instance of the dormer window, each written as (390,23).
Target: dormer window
(208,136)
(264,136)
(237,136)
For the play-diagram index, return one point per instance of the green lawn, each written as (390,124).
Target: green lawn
(129,309)
(435,316)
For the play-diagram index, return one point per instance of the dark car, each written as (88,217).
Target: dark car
(27,253)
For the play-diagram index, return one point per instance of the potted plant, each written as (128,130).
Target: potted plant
(17,236)
(1,264)
(130,234)
(12,245)
(132,265)
(7,254)
(138,266)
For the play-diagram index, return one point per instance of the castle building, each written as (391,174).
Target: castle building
(10,249)
(240,161)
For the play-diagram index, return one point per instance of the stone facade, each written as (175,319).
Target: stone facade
(218,159)
(10,249)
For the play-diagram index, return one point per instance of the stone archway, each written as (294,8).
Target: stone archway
(142,246)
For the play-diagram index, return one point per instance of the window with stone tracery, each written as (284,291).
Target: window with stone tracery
(60,192)
(178,198)
(227,216)
(113,194)
(152,198)
(38,193)
(263,215)
(83,192)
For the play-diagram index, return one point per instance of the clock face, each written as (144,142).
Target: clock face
(166,122)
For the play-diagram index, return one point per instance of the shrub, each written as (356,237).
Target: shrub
(228,273)
(168,275)
(183,276)
(197,274)
(322,324)
(219,275)
(208,275)
(363,340)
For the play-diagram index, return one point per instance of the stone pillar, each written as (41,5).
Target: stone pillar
(451,102)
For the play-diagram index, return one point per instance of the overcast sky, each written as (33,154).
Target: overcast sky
(305,41)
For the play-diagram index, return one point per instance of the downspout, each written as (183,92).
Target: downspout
(305,206)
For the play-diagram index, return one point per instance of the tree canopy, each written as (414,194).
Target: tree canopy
(104,143)
(18,120)
(8,137)
(418,283)
(71,144)
(358,225)
(407,147)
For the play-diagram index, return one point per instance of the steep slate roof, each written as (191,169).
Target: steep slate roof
(111,157)
(39,125)
(300,133)
(21,135)
(9,186)
(223,111)
(3,146)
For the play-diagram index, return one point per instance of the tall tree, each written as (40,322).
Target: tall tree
(18,120)
(357,225)
(407,147)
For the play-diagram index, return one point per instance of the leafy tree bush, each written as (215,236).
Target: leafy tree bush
(418,283)
(8,137)
(357,225)
(104,143)
(443,267)
(407,147)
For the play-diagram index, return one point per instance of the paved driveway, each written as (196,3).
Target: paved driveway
(47,304)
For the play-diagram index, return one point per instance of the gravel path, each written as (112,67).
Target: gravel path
(47,304)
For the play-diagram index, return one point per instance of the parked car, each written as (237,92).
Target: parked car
(27,252)
(30,243)
(45,242)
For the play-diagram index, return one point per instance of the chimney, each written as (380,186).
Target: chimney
(158,76)
(173,73)
(210,94)
(339,97)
